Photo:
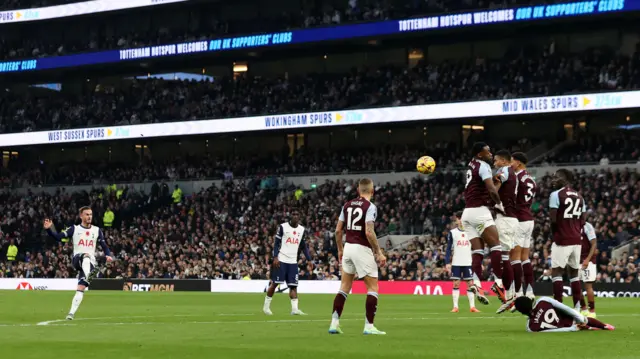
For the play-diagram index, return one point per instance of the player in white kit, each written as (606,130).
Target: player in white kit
(460,264)
(288,241)
(85,237)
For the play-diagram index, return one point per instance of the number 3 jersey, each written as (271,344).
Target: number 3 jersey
(355,214)
(549,315)
(570,206)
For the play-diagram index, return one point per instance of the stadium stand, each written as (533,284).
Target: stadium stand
(206,20)
(168,101)
(227,231)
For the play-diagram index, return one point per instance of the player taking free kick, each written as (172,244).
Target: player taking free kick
(549,315)
(358,255)
(85,237)
(289,239)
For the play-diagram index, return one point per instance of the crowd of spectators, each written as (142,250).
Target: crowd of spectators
(202,21)
(448,155)
(603,149)
(227,231)
(156,101)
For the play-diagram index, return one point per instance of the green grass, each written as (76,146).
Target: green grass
(119,325)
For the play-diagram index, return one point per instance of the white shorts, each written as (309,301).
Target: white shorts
(475,220)
(359,259)
(507,230)
(523,236)
(563,256)
(589,275)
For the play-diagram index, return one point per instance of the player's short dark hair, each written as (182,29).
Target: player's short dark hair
(524,305)
(84,208)
(566,174)
(457,214)
(520,156)
(478,147)
(504,154)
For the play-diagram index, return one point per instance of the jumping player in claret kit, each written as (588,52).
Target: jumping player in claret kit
(85,237)
(480,194)
(549,316)
(288,241)
(358,257)
(460,263)
(567,212)
(506,222)
(522,269)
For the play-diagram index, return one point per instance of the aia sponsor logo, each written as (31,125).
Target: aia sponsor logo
(28,286)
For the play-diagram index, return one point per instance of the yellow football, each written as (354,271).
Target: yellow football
(426,165)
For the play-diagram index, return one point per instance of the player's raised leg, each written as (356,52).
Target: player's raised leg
(84,266)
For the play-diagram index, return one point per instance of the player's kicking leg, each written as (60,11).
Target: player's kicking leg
(83,264)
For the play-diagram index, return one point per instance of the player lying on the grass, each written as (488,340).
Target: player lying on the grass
(460,265)
(549,315)
(288,241)
(85,237)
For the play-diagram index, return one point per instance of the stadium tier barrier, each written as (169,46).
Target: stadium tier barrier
(610,290)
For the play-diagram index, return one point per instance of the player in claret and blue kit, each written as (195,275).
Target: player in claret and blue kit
(85,237)
(549,315)
(460,264)
(288,241)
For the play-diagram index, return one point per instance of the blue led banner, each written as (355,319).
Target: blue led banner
(390,27)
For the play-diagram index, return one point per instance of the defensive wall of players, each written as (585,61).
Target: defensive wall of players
(611,290)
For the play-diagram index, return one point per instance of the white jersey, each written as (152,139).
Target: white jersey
(85,240)
(288,241)
(459,243)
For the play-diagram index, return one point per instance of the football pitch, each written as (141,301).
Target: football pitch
(198,325)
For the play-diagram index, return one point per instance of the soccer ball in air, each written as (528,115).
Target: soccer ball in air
(426,165)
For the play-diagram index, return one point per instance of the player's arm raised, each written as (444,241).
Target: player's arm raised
(57,235)
(370,232)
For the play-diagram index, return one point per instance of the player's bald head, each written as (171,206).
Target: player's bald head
(365,186)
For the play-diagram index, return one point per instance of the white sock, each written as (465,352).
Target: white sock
(367,325)
(267,302)
(456,296)
(335,320)
(294,305)
(86,267)
(476,281)
(529,290)
(499,282)
(472,299)
(75,303)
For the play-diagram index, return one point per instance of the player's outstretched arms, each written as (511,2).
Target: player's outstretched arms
(57,235)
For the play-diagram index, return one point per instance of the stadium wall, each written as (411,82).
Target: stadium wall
(610,290)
